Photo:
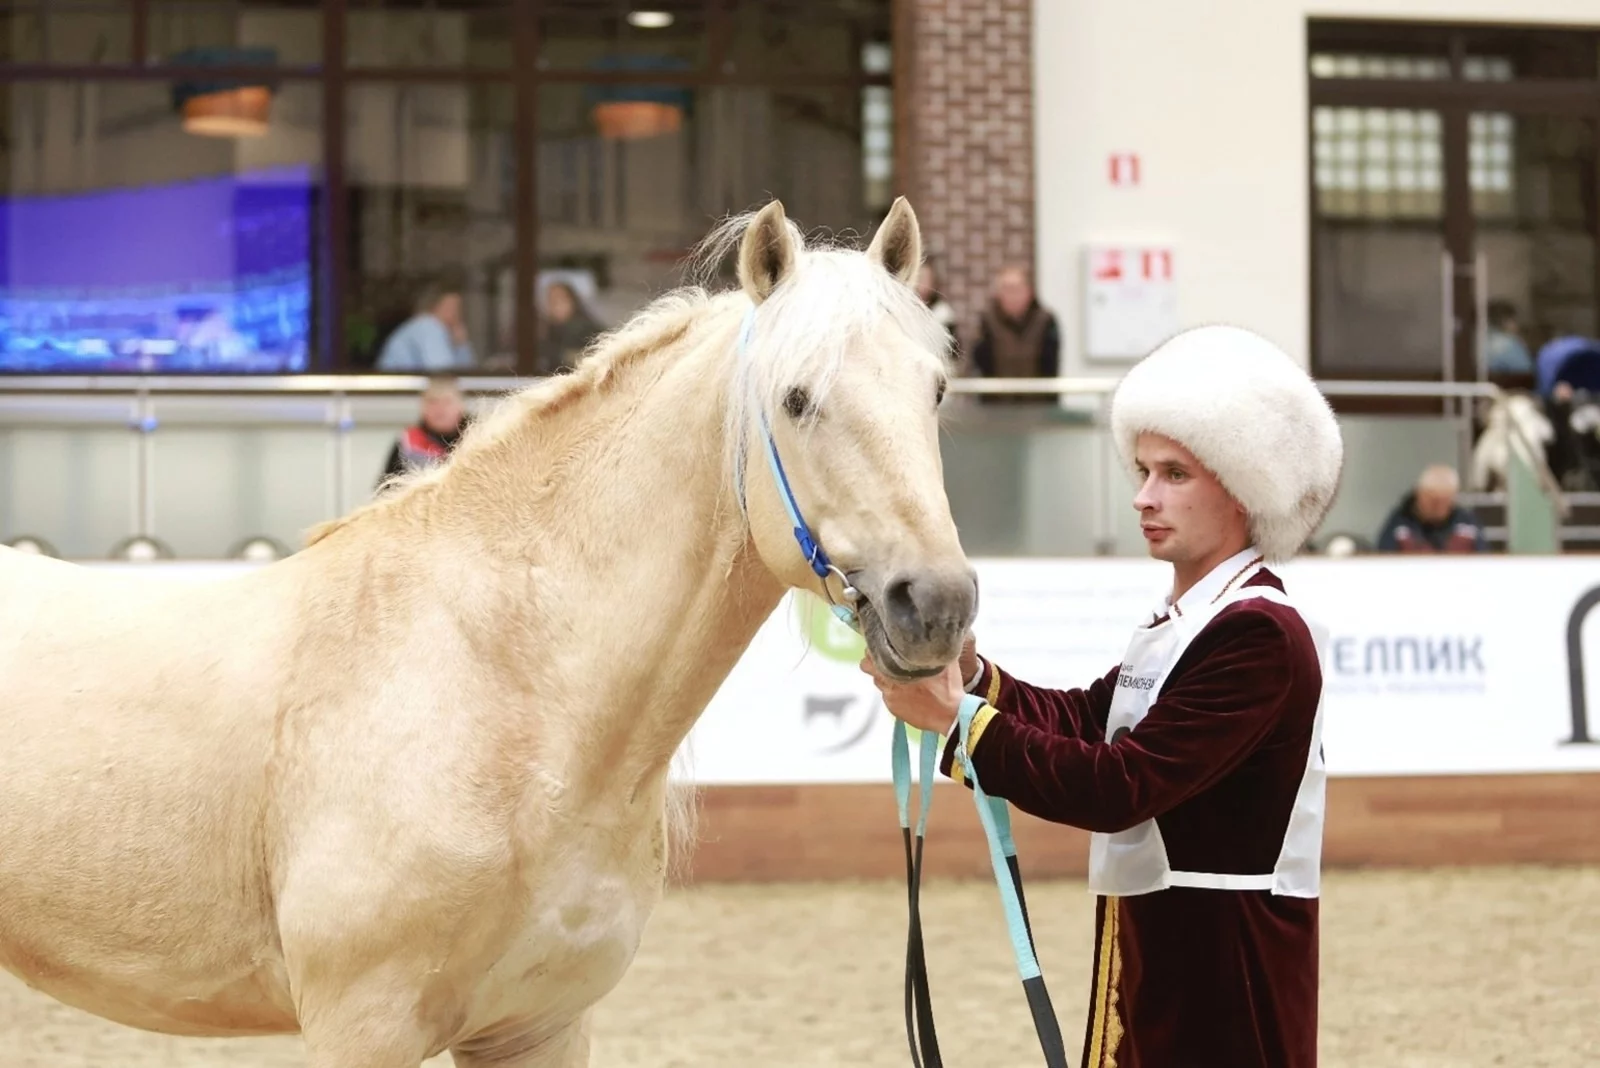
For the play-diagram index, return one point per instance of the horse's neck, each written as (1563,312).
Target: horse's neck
(645,588)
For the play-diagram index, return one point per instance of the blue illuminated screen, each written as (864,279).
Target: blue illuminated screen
(211,275)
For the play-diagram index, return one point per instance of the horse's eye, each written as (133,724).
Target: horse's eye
(796,402)
(938,396)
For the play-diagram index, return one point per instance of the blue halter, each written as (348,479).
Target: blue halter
(821,566)
(993,812)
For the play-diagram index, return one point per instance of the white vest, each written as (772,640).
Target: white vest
(1135,861)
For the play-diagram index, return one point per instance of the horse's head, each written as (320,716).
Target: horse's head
(841,372)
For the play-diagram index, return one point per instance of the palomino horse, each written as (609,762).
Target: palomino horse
(407,790)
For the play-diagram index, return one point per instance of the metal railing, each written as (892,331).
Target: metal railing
(331,401)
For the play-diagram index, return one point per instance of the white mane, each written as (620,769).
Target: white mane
(811,324)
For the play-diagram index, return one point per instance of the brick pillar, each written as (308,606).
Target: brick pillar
(970,111)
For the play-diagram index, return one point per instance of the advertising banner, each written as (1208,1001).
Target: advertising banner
(1450,665)
(1437,666)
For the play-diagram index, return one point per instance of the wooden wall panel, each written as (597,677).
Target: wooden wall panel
(782,833)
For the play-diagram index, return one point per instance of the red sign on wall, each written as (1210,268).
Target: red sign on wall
(1130,299)
(1107,264)
(1155,264)
(1124,168)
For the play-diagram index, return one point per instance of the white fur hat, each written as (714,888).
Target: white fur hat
(1251,415)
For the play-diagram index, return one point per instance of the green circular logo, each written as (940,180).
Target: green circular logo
(824,632)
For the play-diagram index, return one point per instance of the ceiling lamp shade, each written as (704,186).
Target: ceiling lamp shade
(225,107)
(628,111)
(624,120)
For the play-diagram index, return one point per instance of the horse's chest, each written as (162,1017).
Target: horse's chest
(573,945)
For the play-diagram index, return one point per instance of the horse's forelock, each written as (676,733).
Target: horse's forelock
(817,320)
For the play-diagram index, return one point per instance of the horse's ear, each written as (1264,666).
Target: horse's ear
(898,243)
(767,253)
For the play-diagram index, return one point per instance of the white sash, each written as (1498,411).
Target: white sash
(1135,861)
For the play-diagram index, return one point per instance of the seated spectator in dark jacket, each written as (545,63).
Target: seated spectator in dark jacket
(1428,519)
(429,441)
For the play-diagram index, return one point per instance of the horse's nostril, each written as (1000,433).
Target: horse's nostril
(922,608)
(901,605)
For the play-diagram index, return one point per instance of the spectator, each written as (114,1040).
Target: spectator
(565,328)
(928,290)
(1507,352)
(433,340)
(1017,338)
(1428,519)
(443,420)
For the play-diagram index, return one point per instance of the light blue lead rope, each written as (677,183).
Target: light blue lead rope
(995,815)
(927,769)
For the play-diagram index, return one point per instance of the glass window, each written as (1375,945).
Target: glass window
(431,260)
(450,34)
(66,31)
(1339,49)
(819,38)
(254,33)
(1379,65)
(598,35)
(1527,55)
(1378,163)
(135,239)
(631,177)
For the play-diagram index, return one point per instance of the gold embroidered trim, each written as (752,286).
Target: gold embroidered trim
(1177,612)
(980,720)
(1105,1033)
(1114,986)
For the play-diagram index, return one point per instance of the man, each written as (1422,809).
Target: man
(434,339)
(1017,338)
(1196,763)
(444,419)
(1428,519)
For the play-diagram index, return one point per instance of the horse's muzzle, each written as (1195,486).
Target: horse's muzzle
(922,617)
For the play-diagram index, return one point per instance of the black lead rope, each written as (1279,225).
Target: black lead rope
(919,1004)
(919,998)
(995,816)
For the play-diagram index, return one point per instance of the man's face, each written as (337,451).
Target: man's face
(442,410)
(1184,512)
(1012,293)
(1434,504)
(448,310)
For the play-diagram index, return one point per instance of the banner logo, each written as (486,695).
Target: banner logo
(1577,670)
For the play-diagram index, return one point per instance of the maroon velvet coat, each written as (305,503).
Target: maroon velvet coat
(1184,977)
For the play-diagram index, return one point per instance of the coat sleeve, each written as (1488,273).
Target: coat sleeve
(1075,713)
(1224,695)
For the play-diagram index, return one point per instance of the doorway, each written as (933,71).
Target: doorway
(1455,206)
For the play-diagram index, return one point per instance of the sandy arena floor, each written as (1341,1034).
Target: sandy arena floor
(1420,970)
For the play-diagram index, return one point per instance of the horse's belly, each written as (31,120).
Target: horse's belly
(252,999)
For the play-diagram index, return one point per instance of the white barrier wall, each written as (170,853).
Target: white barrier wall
(1440,666)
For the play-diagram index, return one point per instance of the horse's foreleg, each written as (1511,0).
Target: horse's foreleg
(366,1025)
(568,1048)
